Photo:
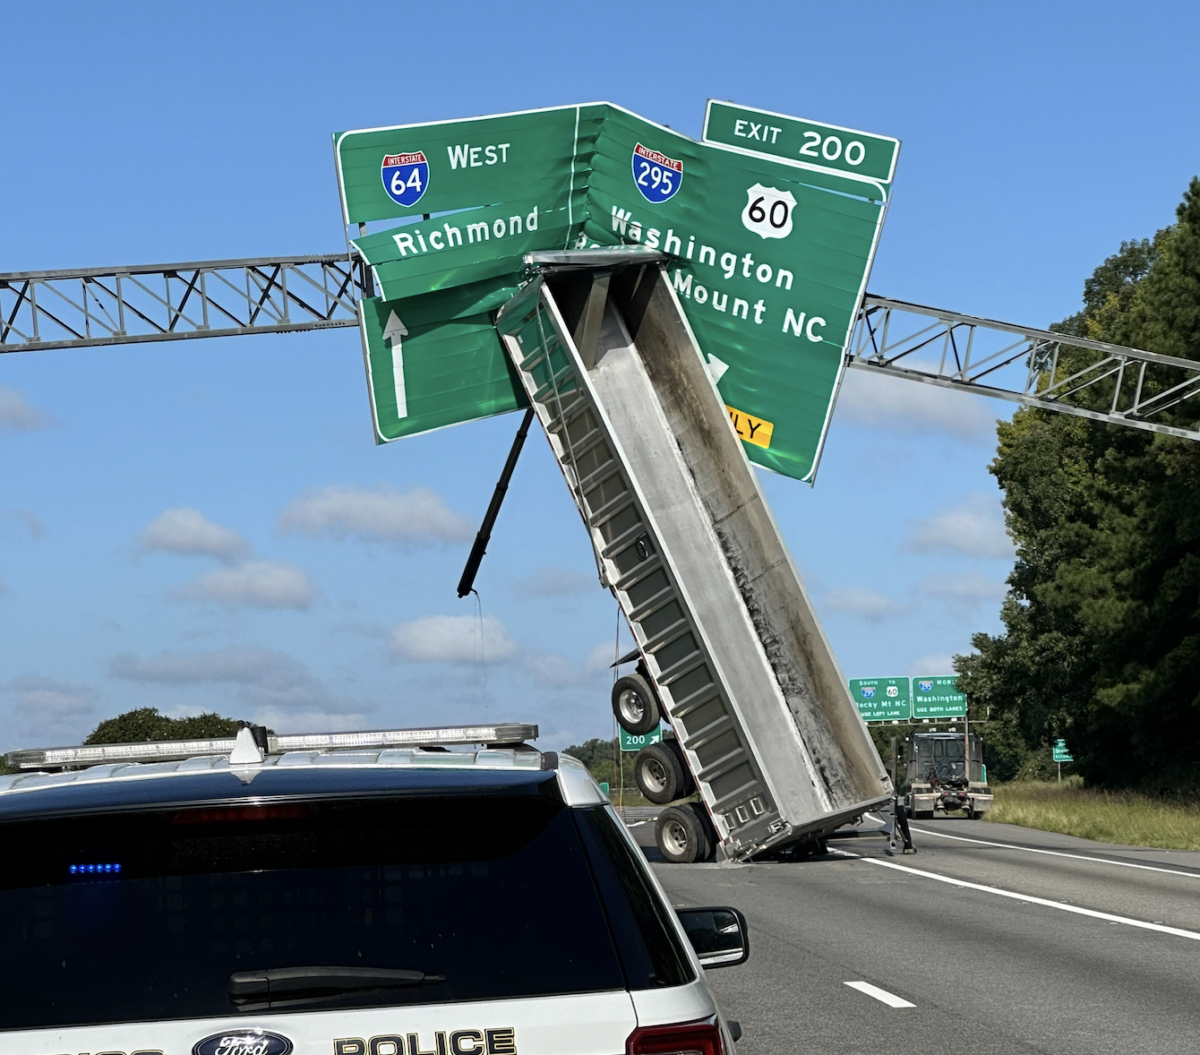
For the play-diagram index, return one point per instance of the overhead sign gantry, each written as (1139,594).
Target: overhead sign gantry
(436,360)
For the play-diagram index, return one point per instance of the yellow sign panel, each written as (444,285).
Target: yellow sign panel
(751,429)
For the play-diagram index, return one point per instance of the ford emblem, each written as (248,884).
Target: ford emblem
(243,1042)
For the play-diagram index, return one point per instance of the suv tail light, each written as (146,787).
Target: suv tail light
(681,1038)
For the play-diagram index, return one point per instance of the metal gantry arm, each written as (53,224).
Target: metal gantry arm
(1054,371)
(161,302)
(89,307)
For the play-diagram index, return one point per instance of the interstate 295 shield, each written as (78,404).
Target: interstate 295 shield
(405,177)
(657,176)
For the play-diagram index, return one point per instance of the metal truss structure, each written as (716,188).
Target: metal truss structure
(1071,375)
(162,302)
(90,307)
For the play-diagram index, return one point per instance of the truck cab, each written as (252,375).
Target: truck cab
(938,779)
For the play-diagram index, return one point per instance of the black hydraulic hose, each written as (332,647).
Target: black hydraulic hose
(467,583)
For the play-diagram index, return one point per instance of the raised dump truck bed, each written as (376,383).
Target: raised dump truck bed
(685,540)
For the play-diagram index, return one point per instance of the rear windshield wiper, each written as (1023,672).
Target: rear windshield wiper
(320,982)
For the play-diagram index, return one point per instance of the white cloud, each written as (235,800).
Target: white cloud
(874,400)
(553,670)
(276,689)
(189,533)
(970,590)
(16,414)
(47,712)
(238,664)
(601,657)
(866,604)
(555,582)
(975,528)
(938,663)
(255,584)
(417,517)
(33,523)
(452,639)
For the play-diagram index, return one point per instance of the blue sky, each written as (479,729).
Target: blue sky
(207,525)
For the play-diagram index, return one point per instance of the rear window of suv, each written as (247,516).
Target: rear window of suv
(147,915)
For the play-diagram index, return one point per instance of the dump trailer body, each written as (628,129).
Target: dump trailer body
(685,540)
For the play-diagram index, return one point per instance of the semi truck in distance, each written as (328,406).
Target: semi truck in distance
(940,781)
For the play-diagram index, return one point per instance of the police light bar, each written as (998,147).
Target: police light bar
(176,750)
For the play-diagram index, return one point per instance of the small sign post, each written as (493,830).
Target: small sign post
(1061,755)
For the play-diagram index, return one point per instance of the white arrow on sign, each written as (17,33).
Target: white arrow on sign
(716,369)
(393,331)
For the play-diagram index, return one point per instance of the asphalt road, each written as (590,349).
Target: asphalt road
(1004,940)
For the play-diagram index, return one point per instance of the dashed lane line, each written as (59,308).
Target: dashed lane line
(1060,853)
(881,995)
(1108,917)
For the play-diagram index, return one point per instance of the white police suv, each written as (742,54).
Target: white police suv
(413,892)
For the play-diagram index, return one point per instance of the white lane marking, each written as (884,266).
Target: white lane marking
(1108,917)
(1060,853)
(880,994)
(633,824)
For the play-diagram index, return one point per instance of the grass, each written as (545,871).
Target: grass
(1106,816)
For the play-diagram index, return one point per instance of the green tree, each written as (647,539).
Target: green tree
(1101,640)
(145,723)
(598,756)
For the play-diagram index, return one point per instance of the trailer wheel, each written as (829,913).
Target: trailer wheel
(635,705)
(684,834)
(688,787)
(659,773)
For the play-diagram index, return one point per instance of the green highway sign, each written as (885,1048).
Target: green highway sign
(1061,754)
(856,154)
(938,697)
(881,699)
(604,786)
(630,742)
(769,265)
(769,260)
(432,361)
(441,166)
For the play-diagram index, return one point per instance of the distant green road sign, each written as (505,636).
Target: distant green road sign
(857,154)
(1061,754)
(881,699)
(938,697)
(629,742)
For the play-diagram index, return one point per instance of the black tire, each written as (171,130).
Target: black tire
(684,834)
(688,787)
(659,773)
(635,705)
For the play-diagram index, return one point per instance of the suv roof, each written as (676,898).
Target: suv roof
(244,771)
